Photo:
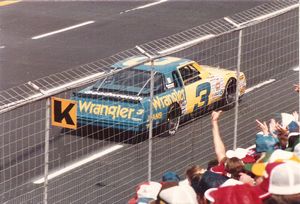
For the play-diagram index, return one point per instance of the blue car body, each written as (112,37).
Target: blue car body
(122,100)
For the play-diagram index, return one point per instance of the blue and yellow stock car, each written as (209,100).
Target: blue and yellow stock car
(181,87)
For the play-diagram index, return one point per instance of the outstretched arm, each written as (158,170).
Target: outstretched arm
(218,143)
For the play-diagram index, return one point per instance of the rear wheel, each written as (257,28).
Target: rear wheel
(173,120)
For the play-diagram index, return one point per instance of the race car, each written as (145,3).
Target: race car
(181,87)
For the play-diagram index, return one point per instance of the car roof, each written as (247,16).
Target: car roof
(162,65)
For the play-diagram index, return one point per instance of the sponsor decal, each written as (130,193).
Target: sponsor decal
(107,110)
(160,102)
(170,86)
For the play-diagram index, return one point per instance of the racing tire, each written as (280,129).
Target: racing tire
(229,97)
(173,120)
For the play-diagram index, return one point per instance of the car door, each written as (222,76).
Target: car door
(197,87)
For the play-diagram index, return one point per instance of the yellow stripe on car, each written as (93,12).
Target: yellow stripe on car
(5,3)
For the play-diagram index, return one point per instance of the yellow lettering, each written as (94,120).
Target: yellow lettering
(96,110)
(123,112)
(84,106)
(167,100)
(140,112)
(105,112)
(118,111)
(130,112)
(174,97)
(156,103)
(92,107)
(112,111)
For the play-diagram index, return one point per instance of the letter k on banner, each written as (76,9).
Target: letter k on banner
(64,113)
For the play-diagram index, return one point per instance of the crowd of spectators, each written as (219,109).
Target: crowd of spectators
(268,173)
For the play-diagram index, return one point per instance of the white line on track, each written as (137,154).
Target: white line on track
(79,163)
(1,47)
(144,6)
(296,69)
(62,30)
(259,85)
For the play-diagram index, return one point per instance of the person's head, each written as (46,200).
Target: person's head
(206,181)
(234,166)
(283,141)
(212,163)
(285,179)
(293,140)
(193,171)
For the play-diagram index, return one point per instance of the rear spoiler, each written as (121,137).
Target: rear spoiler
(108,96)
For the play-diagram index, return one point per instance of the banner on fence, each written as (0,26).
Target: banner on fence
(64,113)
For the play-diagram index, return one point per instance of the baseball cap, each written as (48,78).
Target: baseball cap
(297,150)
(240,153)
(234,195)
(229,182)
(179,194)
(285,179)
(262,190)
(170,176)
(146,191)
(277,156)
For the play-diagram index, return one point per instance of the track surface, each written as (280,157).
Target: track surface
(24,59)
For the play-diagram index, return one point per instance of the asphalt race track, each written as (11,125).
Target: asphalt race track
(117,27)
(24,59)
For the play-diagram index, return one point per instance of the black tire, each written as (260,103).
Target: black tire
(229,96)
(173,120)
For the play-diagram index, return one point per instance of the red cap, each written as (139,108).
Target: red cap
(234,195)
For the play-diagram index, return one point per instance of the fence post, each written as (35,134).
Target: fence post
(151,120)
(236,108)
(299,52)
(46,158)
(150,110)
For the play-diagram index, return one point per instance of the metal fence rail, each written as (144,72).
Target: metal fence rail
(92,164)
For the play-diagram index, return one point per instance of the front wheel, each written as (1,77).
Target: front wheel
(229,97)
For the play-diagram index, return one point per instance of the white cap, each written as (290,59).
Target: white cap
(149,190)
(280,154)
(297,150)
(179,195)
(285,179)
(240,153)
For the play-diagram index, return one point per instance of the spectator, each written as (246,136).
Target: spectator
(212,163)
(194,175)
(178,194)
(146,192)
(282,136)
(193,171)
(206,181)
(234,193)
(285,184)
(297,87)
(231,163)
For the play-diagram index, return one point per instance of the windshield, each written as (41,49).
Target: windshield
(131,82)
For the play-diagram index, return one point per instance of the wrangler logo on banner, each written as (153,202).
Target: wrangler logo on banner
(64,113)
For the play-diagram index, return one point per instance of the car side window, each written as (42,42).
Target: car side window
(177,80)
(159,84)
(189,74)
